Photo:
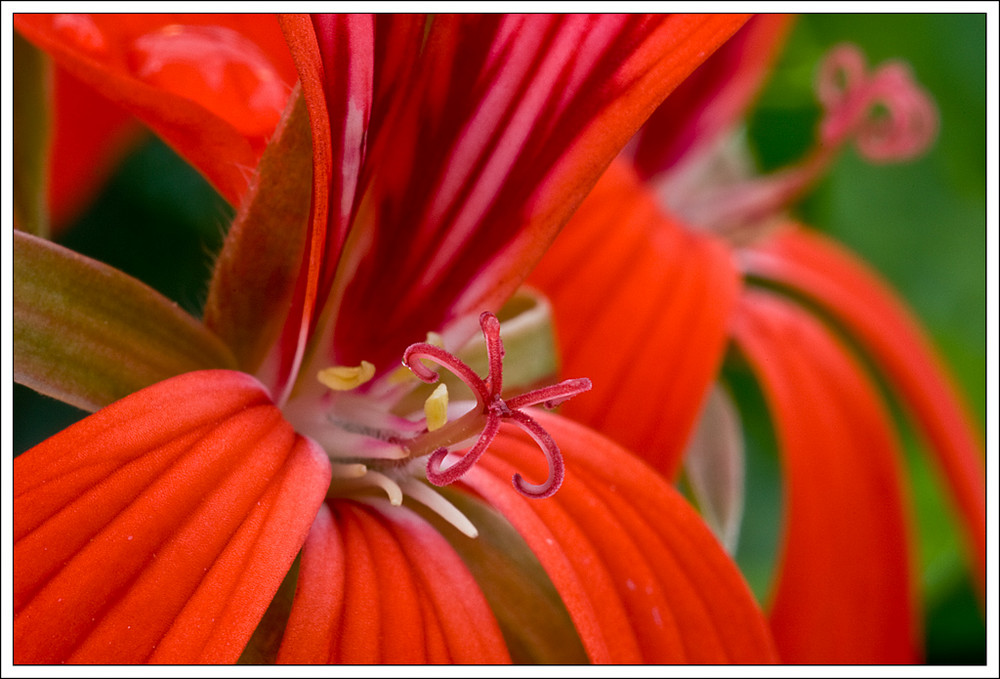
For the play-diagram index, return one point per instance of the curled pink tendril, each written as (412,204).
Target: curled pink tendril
(884,112)
(495,408)
(442,477)
(889,117)
(548,445)
(412,360)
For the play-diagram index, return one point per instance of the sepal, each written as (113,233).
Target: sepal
(88,334)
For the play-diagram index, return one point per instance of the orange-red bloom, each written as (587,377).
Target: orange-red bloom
(412,181)
(656,277)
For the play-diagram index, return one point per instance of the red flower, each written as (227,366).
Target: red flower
(677,257)
(413,182)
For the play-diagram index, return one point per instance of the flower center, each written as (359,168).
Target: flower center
(372,446)
(491,409)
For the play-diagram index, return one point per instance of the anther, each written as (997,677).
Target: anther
(345,378)
(491,409)
(436,408)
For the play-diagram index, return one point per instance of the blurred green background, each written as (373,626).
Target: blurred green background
(922,225)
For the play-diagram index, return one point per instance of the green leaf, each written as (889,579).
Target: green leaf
(88,334)
(532,617)
(32,127)
(256,271)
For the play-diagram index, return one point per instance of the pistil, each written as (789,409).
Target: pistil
(883,111)
(490,411)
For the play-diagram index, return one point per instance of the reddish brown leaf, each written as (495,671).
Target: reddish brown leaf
(255,273)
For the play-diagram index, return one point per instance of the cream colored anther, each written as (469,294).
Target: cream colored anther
(436,408)
(345,378)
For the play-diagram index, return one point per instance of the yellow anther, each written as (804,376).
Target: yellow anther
(345,378)
(436,408)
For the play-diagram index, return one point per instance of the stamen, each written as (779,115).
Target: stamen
(436,408)
(491,409)
(433,500)
(345,378)
(342,443)
(345,484)
(391,488)
(347,471)
(355,413)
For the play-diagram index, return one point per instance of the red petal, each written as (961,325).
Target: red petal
(361,622)
(858,298)
(470,630)
(400,37)
(406,596)
(398,601)
(159,528)
(505,124)
(713,98)
(845,588)
(213,86)
(641,308)
(579,574)
(314,623)
(642,577)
